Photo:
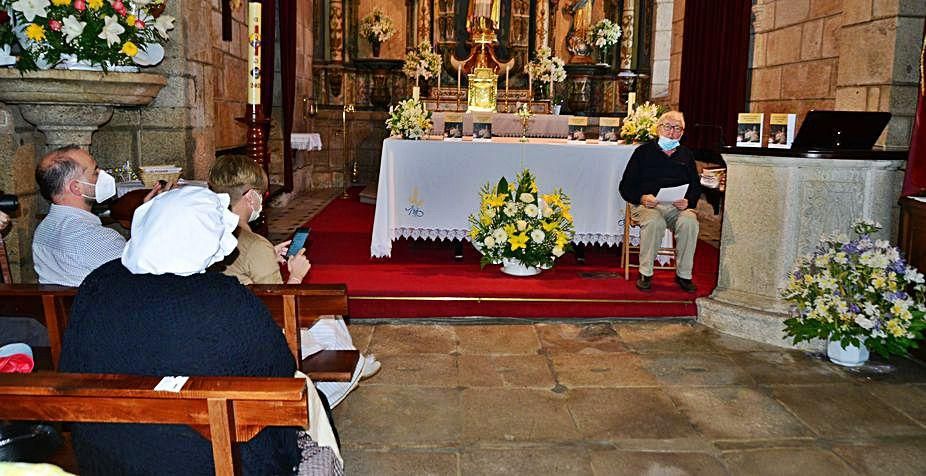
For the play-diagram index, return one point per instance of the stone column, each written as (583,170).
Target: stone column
(776,210)
(628,19)
(66,124)
(662,49)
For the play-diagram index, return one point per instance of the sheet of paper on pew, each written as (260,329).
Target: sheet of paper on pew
(171,384)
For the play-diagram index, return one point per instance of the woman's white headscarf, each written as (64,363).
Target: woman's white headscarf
(182,232)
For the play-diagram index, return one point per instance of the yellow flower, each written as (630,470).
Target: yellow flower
(494,200)
(129,49)
(894,327)
(35,32)
(518,241)
(59,3)
(549,226)
(533,186)
(509,229)
(474,233)
(561,239)
(95,4)
(567,215)
(129,20)
(485,219)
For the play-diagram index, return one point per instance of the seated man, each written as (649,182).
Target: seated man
(655,165)
(71,242)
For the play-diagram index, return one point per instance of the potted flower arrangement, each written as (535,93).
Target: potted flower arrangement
(859,294)
(376,28)
(519,228)
(604,35)
(83,34)
(423,63)
(410,119)
(546,69)
(640,125)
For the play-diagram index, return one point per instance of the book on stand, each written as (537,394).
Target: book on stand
(781,130)
(749,129)
(609,130)
(453,126)
(578,129)
(482,127)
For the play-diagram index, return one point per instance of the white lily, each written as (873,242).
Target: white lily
(31,8)
(164,23)
(72,28)
(111,30)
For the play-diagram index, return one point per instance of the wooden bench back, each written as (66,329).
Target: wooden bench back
(291,305)
(225,410)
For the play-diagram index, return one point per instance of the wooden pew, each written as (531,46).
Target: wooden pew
(291,305)
(225,410)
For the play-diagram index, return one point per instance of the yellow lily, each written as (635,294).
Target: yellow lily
(495,200)
(518,241)
(549,226)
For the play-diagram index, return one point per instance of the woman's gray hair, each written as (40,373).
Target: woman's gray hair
(673,116)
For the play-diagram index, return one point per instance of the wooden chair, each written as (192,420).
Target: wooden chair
(627,249)
(225,410)
(291,306)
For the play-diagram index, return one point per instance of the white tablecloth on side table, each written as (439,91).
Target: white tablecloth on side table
(428,189)
(306,141)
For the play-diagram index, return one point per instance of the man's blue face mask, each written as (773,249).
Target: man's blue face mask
(667,144)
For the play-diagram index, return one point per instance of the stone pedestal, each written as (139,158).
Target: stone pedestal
(69,106)
(777,206)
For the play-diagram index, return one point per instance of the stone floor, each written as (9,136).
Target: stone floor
(653,398)
(288,214)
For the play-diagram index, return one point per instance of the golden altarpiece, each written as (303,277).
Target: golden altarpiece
(485,45)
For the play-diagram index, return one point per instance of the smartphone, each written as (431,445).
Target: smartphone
(299,241)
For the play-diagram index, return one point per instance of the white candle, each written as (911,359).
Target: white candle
(253,65)
(438,80)
(530,85)
(631,100)
(416,93)
(551,82)
(459,80)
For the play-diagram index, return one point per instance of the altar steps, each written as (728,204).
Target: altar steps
(422,279)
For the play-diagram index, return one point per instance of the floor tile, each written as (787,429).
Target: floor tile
(429,370)
(909,399)
(497,339)
(531,371)
(633,463)
(695,369)
(786,462)
(627,413)
(374,416)
(525,461)
(902,458)
(844,410)
(601,370)
(410,339)
(736,413)
(668,337)
(516,415)
(400,463)
(580,339)
(787,367)
(361,335)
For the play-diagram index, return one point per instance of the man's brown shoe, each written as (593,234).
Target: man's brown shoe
(685,284)
(644,283)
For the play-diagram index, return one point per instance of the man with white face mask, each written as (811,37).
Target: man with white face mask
(71,242)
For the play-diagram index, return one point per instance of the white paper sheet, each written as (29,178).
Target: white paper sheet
(671,194)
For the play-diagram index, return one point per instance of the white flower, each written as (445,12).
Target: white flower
(489,241)
(538,235)
(31,8)
(111,30)
(867,324)
(547,212)
(72,28)
(872,310)
(490,212)
(500,235)
(522,225)
(164,23)
(532,210)
(511,209)
(527,198)
(558,251)
(912,275)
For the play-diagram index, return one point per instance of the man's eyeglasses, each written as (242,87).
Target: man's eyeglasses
(671,128)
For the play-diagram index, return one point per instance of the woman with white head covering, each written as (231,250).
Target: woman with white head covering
(157,312)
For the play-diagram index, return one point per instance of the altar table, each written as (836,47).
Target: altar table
(505,124)
(428,189)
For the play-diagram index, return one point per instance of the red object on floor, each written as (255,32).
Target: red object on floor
(421,279)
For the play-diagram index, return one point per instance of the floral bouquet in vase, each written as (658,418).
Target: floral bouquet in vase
(640,125)
(546,69)
(410,119)
(519,228)
(376,28)
(604,35)
(422,62)
(856,293)
(83,34)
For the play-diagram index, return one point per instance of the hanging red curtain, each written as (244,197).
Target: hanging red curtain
(914,182)
(288,77)
(268,37)
(715,57)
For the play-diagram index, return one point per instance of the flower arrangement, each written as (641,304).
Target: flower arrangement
(525,116)
(605,33)
(376,27)
(422,62)
(410,119)
(93,32)
(516,223)
(546,68)
(856,291)
(640,125)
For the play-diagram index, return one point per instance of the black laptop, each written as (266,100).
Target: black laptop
(840,130)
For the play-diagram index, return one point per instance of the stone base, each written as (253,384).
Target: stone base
(749,323)
(368,195)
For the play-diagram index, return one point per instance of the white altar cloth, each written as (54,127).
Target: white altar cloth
(306,141)
(505,124)
(428,189)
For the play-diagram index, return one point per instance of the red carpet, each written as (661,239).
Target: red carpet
(422,279)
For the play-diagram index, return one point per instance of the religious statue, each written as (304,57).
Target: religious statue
(482,65)
(482,19)
(577,38)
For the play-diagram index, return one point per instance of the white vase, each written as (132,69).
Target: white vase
(557,108)
(850,356)
(517,268)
